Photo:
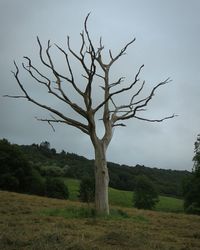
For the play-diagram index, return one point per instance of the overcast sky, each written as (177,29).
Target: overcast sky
(167,43)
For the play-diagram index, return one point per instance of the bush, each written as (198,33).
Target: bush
(191,192)
(191,186)
(87,189)
(145,196)
(56,188)
(16,173)
(9,182)
(193,208)
(36,183)
(52,171)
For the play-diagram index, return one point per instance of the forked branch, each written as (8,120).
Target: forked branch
(134,107)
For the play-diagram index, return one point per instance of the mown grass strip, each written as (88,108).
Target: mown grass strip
(72,212)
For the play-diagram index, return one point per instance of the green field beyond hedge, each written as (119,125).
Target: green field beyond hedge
(124,198)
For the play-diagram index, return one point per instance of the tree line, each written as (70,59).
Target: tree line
(36,169)
(19,174)
(49,163)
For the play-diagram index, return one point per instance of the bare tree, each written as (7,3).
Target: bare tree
(113,114)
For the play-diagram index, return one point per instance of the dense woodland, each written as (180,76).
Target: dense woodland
(44,161)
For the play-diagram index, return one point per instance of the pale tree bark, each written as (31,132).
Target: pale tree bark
(113,114)
(101,179)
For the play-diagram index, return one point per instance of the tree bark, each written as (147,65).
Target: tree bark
(101,179)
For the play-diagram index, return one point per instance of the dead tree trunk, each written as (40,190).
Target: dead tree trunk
(101,179)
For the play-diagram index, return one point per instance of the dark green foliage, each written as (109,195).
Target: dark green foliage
(196,157)
(79,166)
(9,182)
(167,182)
(145,195)
(14,167)
(191,191)
(16,173)
(87,189)
(191,186)
(36,183)
(51,171)
(49,163)
(56,188)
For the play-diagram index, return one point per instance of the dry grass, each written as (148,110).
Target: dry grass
(23,226)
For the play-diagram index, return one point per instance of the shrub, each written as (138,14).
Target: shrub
(16,173)
(87,189)
(9,182)
(193,208)
(191,186)
(56,188)
(145,196)
(51,171)
(36,183)
(191,192)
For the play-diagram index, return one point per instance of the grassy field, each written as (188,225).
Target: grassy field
(73,186)
(39,223)
(124,198)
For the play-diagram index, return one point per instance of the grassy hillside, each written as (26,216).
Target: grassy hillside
(124,198)
(26,223)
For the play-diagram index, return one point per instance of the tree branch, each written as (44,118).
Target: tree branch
(64,98)
(67,120)
(145,101)
(119,91)
(71,73)
(155,120)
(122,52)
(152,94)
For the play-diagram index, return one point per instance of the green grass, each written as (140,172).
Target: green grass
(169,204)
(73,186)
(120,198)
(84,212)
(74,212)
(125,198)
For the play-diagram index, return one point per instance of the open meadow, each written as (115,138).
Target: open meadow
(125,198)
(33,222)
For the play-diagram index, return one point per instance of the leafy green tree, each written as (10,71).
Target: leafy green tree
(16,174)
(191,186)
(14,168)
(196,157)
(145,195)
(52,171)
(87,189)
(9,182)
(56,188)
(45,145)
(36,183)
